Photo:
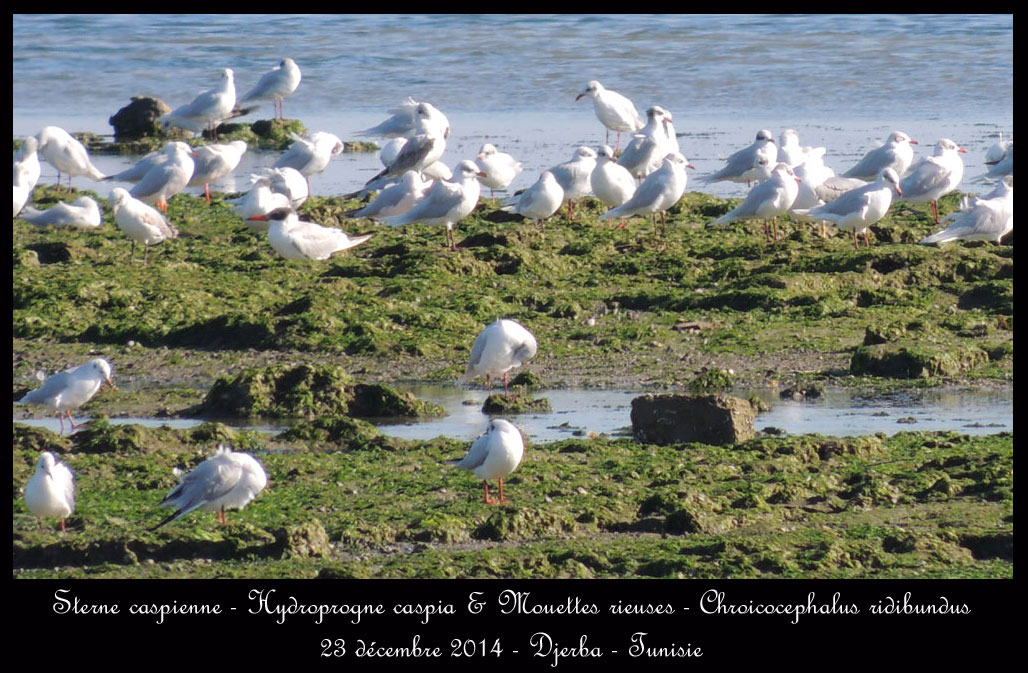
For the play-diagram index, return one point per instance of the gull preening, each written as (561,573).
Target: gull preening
(288,181)
(167,178)
(51,490)
(213,162)
(896,154)
(66,154)
(71,388)
(859,208)
(83,213)
(407,118)
(297,240)
(500,347)
(647,149)
(140,222)
(227,480)
(422,149)
(208,109)
(275,85)
(985,219)
(396,199)
(574,176)
(750,164)
(659,191)
(934,177)
(494,455)
(500,168)
(614,111)
(790,152)
(446,202)
(766,201)
(539,201)
(310,155)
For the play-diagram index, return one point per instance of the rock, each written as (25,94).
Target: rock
(305,540)
(708,419)
(810,390)
(515,404)
(138,119)
(908,360)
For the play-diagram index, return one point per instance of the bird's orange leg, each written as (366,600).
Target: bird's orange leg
(502,499)
(485,494)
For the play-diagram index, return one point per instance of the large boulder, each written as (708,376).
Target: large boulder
(708,419)
(138,119)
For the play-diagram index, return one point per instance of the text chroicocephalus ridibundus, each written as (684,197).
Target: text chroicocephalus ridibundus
(988,219)
(494,455)
(51,490)
(66,154)
(896,154)
(858,209)
(297,240)
(500,347)
(766,201)
(446,202)
(83,213)
(647,149)
(405,121)
(750,164)
(614,111)
(499,167)
(275,85)
(659,191)
(208,109)
(934,177)
(213,162)
(539,201)
(227,480)
(168,178)
(574,176)
(396,199)
(71,388)
(139,222)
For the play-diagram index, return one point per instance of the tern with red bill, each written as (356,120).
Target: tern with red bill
(297,240)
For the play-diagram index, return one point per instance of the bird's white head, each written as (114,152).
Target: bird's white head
(890,177)
(765,135)
(487,149)
(897,137)
(45,463)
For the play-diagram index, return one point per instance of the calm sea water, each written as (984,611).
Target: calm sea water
(844,82)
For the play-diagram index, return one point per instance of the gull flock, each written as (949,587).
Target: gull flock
(647,177)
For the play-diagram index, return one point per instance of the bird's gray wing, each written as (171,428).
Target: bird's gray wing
(297,156)
(141,168)
(68,479)
(477,349)
(440,200)
(850,202)
(834,187)
(477,454)
(154,181)
(50,389)
(927,176)
(872,163)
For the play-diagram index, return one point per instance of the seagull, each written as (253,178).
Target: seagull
(539,201)
(934,177)
(766,201)
(896,154)
(136,172)
(750,164)
(139,221)
(611,182)
(213,162)
(818,185)
(83,213)
(227,480)
(998,151)
(310,155)
(71,388)
(396,199)
(300,241)
(423,149)
(275,85)
(494,455)
(260,200)
(390,150)
(789,150)
(500,347)
(574,176)
(288,181)
(206,110)
(646,152)
(614,111)
(26,173)
(404,122)
(1004,166)
(659,191)
(858,209)
(987,219)
(51,490)
(500,167)
(66,154)
(446,202)
(168,178)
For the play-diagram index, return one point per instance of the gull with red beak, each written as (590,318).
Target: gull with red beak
(213,162)
(935,177)
(165,180)
(71,388)
(447,202)
(766,201)
(614,111)
(423,149)
(859,208)
(896,154)
(494,455)
(659,191)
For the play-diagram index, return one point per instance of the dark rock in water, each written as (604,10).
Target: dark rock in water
(803,391)
(138,119)
(709,419)
(517,404)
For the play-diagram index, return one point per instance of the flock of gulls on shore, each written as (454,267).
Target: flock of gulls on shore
(648,177)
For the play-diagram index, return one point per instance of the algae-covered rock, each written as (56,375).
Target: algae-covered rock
(909,360)
(138,119)
(37,440)
(304,540)
(441,527)
(524,524)
(711,380)
(350,433)
(708,419)
(381,401)
(304,391)
(518,403)
(810,390)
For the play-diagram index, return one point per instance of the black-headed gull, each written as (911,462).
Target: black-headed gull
(614,111)
(934,177)
(227,480)
(500,347)
(213,162)
(297,240)
(82,213)
(22,188)
(26,173)
(1003,166)
(71,388)
(51,490)
(136,172)
(647,149)
(290,182)
(789,149)
(896,154)
(858,209)
(494,455)
(311,155)
(988,219)
(421,150)
(499,167)
(766,201)
(66,154)
(611,182)
(396,199)
(997,151)
(139,222)
(750,164)
(659,191)
(166,179)
(539,201)
(574,176)
(275,85)
(405,121)
(446,202)
(208,109)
